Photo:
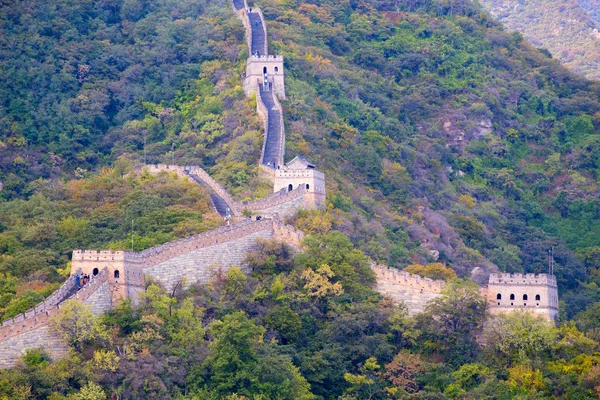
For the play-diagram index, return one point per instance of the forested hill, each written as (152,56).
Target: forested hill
(568,29)
(443,137)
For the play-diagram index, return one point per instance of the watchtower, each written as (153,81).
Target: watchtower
(259,68)
(299,172)
(122,273)
(535,293)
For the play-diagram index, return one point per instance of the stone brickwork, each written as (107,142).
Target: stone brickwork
(282,203)
(101,299)
(537,294)
(412,290)
(200,266)
(286,233)
(31,330)
(13,348)
(184,172)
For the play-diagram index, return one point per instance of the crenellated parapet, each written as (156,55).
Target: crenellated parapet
(276,199)
(402,278)
(41,314)
(224,234)
(537,293)
(286,233)
(522,279)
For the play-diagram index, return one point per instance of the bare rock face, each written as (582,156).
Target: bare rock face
(484,127)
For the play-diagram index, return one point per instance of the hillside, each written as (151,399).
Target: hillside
(445,140)
(569,30)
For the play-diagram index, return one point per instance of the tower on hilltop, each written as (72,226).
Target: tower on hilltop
(535,293)
(259,68)
(300,172)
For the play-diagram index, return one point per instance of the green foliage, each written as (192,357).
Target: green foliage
(78,326)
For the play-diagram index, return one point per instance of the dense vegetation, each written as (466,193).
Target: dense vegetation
(568,29)
(307,327)
(443,139)
(39,235)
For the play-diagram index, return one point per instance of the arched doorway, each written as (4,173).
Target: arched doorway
(117,274)
(290,187)
(95,271)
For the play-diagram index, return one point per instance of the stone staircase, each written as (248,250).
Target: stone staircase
(258,44)
(238,4)
(218,202)
(32,328)
(273,146)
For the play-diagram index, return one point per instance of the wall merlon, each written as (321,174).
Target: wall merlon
(520,279)
(403,278)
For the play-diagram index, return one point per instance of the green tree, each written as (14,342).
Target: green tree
(518,338)
(78,326)
(455,319)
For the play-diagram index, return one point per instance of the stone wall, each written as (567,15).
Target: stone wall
(100,300)
(286,233)
(183,172)
(29,331)
(12,349)
(286,209)
(159,254)
(30,316)
(537,294)
(283,203)
(412,290)
(201,265)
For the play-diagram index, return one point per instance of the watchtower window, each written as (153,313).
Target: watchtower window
(498,296)
(276,69)
(512,296)
(307,186)
(290,187)
(537,297)
(524,297)
(264,70)
(117,274)
(95,271)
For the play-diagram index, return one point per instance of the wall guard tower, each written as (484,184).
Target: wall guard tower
(265,69)
(299,172)
(530,292)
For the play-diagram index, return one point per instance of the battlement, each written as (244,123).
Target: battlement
(287,233)
(40,314)
(275,199)
(164,252)
(98,255)
(266,58)
(522,279)
(402,278)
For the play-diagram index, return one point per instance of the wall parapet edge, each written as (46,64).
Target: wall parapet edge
(407,279)
(31,320)
(281,197)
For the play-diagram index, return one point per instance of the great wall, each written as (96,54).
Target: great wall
(200,258)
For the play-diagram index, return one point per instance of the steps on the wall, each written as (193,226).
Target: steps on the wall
(218,202)
(272,153)
(259,34)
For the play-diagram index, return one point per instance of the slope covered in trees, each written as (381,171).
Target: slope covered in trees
(568,29)
(443,137)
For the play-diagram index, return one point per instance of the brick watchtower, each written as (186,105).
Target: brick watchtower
(301,172)
(259,68)
(535,293)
